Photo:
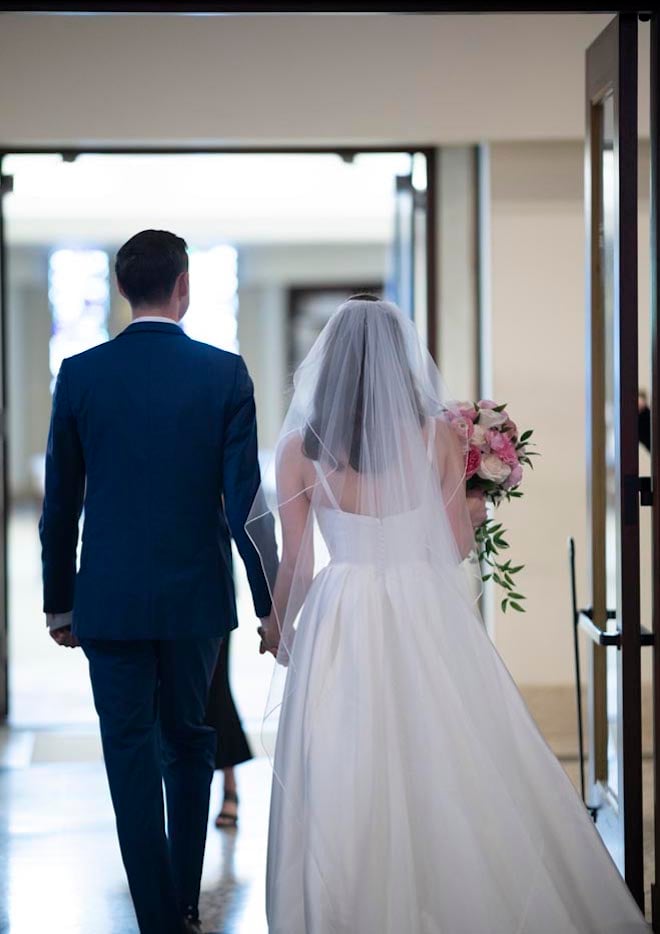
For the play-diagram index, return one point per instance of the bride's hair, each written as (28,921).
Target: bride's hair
(342,373)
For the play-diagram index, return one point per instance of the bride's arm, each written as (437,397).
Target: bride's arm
(296,567)
(451,465)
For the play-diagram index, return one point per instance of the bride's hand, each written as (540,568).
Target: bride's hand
(270,636)
(476,503)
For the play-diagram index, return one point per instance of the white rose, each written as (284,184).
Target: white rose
(489,418)
(494,469)
(479,437)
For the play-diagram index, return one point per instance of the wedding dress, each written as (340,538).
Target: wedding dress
(412,791)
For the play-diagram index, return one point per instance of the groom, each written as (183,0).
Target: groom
(155,435)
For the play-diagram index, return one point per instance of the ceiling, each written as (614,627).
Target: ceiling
(208,199)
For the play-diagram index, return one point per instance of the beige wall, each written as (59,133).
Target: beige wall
(306,79)
(537,267)
(457,262)
(513,81)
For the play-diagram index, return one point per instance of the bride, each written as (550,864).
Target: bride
(412,792)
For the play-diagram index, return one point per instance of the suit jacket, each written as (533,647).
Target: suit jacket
(156,435)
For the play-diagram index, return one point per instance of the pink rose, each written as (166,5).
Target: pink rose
(472,462)
(480,438)
(489,418)
(487,404)
(510,428)
(467,410)
(502,445)
(494,469)
(514,477)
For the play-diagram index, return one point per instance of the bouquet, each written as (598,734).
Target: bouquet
(495,455)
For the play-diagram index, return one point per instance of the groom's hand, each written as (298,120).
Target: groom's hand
(269,638)
(64,636)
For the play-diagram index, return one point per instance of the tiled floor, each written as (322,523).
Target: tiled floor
(60,869)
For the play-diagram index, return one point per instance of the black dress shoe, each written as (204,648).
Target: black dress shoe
(191,922)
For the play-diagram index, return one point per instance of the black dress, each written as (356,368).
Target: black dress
(233,747)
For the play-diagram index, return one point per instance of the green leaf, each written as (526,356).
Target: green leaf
(503,604)
(517,596)
(486,577)
(526,435)
(500,408)
(517,606)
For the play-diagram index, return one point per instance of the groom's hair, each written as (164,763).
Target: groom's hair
(148,265)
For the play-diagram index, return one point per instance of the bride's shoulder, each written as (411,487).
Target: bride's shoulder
(294,469)
(437,426)
(445,439)
(290,448)
(291,456)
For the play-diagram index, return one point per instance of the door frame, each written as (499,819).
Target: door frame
(654,204)
(260,7)
(611,69)
(71,152)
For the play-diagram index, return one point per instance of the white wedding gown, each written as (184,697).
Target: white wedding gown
(413,793)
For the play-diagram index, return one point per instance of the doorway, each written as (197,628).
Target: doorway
(277,240)
(621,622)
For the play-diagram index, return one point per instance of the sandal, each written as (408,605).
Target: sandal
(225,820)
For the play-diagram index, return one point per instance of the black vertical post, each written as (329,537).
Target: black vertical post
(655,431)
(627,441)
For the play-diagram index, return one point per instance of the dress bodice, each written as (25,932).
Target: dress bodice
(357,539)
(386,542)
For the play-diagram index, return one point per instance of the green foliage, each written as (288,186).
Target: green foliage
(491,542)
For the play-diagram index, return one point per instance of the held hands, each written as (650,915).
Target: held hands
(270,636)
(65,637)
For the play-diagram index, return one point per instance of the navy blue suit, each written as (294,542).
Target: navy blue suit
(155,434)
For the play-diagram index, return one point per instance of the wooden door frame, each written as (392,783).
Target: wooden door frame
(654,203)
(612,69)
(260,7)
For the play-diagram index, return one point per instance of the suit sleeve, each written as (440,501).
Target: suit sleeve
(63,500)
(241,486)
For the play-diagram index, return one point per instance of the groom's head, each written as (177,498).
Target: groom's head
(152,274)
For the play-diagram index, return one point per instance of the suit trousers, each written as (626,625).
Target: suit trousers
(151,698)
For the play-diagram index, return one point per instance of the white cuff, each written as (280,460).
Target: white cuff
(59,620)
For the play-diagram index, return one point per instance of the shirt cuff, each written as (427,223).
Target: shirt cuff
(59,620)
